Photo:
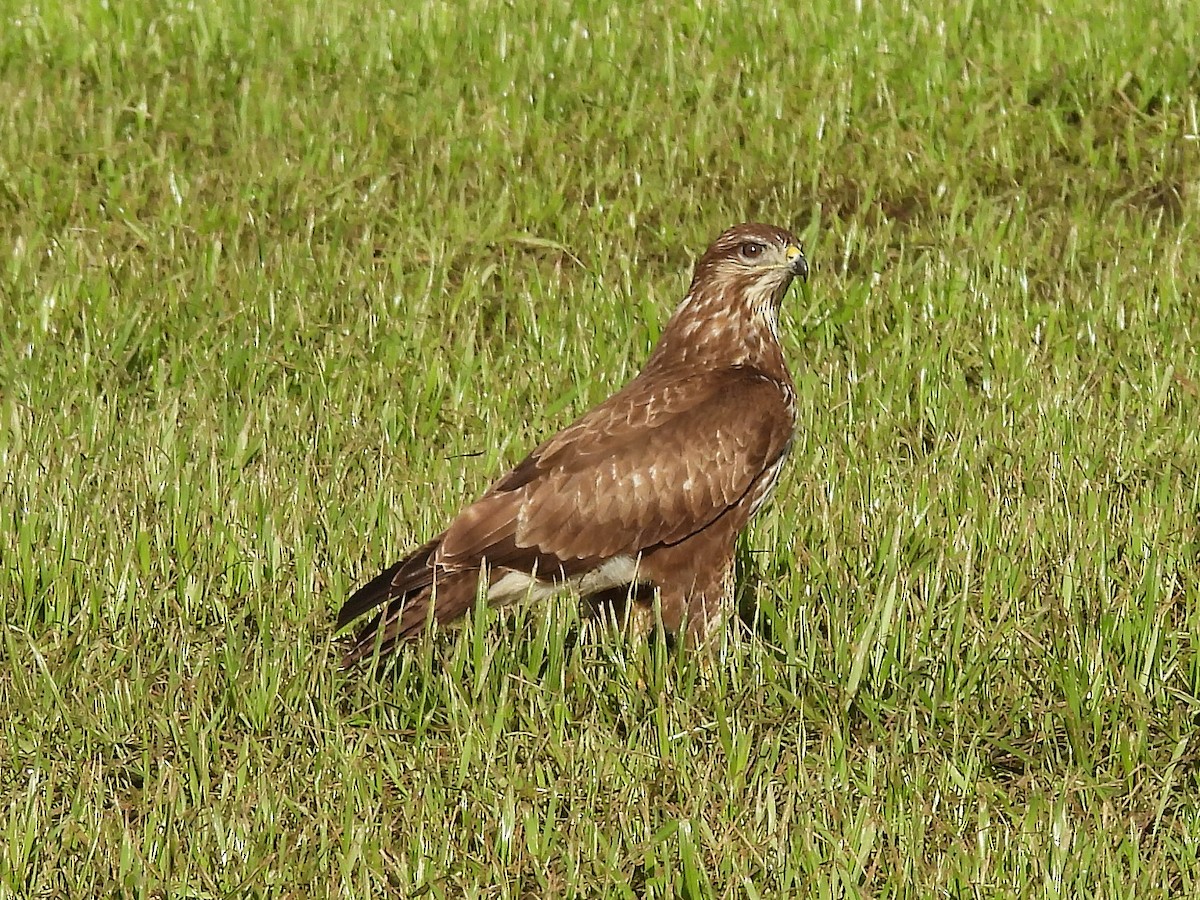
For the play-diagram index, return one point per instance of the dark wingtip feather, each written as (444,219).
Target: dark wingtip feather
(401,619)
(372,594)
(412,573)
(361,646)
(404,616)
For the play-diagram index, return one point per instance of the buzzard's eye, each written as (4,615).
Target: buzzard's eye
(751,250)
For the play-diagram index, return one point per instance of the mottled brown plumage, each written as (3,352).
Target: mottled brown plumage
(646,492)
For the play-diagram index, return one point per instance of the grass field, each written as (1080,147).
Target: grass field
(282,285)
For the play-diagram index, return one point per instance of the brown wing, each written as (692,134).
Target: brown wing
(652,465)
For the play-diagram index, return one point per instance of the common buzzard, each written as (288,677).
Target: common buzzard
(644,494)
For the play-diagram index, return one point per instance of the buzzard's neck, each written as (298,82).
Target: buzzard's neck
(709,332)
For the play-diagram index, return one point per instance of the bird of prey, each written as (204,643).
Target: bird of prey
(644,494)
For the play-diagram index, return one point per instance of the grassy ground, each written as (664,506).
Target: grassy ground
(281,287)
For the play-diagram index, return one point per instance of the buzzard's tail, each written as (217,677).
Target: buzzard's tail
(406,592)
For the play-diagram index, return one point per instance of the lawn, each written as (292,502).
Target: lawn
(282,285)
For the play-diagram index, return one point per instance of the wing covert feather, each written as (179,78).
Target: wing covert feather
(652,465)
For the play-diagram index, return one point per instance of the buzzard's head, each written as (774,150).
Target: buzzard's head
(753,261)
(731,312)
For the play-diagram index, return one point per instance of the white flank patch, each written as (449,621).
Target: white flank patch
(616,572)
(514,586)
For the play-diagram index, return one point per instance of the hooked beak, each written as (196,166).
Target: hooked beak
(797,264)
